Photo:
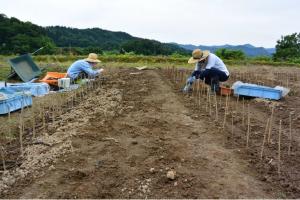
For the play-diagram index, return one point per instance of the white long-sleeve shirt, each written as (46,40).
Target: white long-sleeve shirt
(213,62)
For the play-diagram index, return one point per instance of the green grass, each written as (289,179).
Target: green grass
(60,63)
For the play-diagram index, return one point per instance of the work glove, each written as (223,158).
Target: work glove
(100,70)
(189,83)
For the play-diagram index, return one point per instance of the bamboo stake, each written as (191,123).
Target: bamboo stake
(209,102)
(225,112)
(199,97)
(3,158)
(279,146)
(243,115)
(53,113)
(248,127)
(43,119)
(21,128)
(216,103)
(9,121)
(203,87)
(220,102)
(264,140)
(290,135)
(270,127)
(33,123)
(206,107)
(232,133)
(237,102)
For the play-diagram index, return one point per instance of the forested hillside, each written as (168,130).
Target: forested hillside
(17,37)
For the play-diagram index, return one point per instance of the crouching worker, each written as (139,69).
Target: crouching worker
(209,67)
(84,68)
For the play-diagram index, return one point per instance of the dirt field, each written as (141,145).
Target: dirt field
(122,139)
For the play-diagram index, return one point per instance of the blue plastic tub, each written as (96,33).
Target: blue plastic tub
(259,91)
(13,100)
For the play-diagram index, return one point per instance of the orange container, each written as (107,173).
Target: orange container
(52,78)
(225,91)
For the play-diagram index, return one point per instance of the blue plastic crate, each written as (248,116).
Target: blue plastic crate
(258,91)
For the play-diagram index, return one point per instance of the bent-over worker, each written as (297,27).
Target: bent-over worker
(209,67)
(84,68)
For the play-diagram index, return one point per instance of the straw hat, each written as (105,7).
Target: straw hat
(93,58)
(198,55)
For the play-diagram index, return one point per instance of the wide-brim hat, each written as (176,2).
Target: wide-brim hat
(198,55)
(93,58)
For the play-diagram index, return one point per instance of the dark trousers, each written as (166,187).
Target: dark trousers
(212,77)
(81,75)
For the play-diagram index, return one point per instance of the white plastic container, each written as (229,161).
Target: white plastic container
(64,83)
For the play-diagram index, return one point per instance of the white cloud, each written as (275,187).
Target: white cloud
(209,22)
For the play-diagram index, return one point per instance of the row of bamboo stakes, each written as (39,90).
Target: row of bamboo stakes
(278,78)
(204,96)
(44,112)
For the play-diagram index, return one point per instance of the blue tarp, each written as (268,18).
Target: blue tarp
(11,100)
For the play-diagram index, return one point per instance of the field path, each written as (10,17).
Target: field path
(128,154)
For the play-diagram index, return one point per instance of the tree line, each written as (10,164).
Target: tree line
(17,37)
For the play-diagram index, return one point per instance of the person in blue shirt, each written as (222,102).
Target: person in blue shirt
(84,68)
(209,67)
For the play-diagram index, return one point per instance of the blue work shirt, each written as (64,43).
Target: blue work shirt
(81,66)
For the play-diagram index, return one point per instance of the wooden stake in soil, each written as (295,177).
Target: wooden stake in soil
(243,113)
(290,135)
(43,119)
(270,127)
(33,123)
(199,98)
(209,102)
(264,140)
(206,108)
(248,127)
(237,102)
(21,128)
(53,113)
(9,121)
(216,104)
(3,158)
(232,133)
(279,147)
(225,112)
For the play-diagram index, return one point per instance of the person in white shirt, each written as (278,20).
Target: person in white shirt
(209,68)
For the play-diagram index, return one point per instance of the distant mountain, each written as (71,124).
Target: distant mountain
(271,50)
(248,49)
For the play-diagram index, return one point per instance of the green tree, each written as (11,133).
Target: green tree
(18,37)
(288,48)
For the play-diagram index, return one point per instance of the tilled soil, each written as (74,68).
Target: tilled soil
(122,141)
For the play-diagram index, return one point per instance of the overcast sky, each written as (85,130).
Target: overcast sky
(206,22)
